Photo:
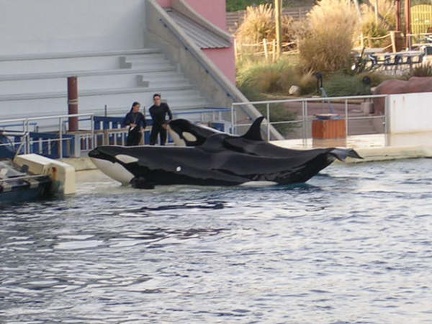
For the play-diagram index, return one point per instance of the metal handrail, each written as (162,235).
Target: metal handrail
(304,110)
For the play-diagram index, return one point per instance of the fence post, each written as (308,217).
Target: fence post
(274,50)
(61,138)
(265,49)
(393,41)
(346,117)
(268,121)
(77,145)
(26,131)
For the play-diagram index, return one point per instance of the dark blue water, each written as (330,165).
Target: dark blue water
(354,245)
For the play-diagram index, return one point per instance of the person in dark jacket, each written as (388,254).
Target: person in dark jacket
(136,122)
(158,113)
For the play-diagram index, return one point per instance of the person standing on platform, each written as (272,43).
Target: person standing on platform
(136,122)
(158,113)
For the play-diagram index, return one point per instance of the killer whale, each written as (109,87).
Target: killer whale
(211,157)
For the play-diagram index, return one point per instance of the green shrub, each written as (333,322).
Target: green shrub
(340,85)
(270,78)
(261,82)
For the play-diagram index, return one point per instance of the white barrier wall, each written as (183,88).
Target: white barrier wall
(410,113)
(50,26)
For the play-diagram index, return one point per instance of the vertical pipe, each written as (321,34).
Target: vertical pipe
(93,136)
(346,117)
(304,122)
(60,146)
(232,118)
(72,86)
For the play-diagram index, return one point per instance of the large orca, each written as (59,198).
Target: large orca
(213,158)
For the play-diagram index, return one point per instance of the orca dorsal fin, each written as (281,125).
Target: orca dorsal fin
(254,132)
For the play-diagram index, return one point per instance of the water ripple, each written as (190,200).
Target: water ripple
(351,246)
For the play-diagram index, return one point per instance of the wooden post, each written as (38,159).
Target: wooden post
(265,49)
(376,12)
(278,21)
(408,23)
(398,15)
(393,40)
(72,86)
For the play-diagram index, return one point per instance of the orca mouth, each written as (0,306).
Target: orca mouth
(98,153)
(113,170)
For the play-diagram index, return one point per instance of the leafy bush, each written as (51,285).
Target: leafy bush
(263,81)
(342,85)
(270,78)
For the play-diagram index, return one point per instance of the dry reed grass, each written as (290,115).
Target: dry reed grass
(329,41)
(259,24)
(378,26)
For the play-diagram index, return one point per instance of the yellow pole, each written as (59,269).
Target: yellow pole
(278,20)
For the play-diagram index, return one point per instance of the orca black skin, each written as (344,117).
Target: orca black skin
(214,158)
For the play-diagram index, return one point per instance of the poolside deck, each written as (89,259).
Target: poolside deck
(374,147)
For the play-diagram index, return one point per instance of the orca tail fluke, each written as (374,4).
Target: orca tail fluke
(341,154)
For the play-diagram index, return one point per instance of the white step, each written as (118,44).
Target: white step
(36,86)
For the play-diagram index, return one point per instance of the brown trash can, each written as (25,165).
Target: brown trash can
(328,126)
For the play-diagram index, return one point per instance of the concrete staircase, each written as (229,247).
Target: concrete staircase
(112,79)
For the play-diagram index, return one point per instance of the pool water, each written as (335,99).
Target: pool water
(353,245)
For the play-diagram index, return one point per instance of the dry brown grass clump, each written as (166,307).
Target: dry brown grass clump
(375,26)
(259,24)
(328,43)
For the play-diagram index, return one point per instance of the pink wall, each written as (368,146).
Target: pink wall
(215,12)
(164,3)
(224,59)
(212,10)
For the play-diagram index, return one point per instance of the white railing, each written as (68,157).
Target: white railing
(49,135)
(300,112)
(29,138)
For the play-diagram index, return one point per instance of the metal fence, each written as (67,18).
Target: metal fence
(294,118)
(49,135)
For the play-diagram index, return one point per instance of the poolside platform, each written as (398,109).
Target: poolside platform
(374,147)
